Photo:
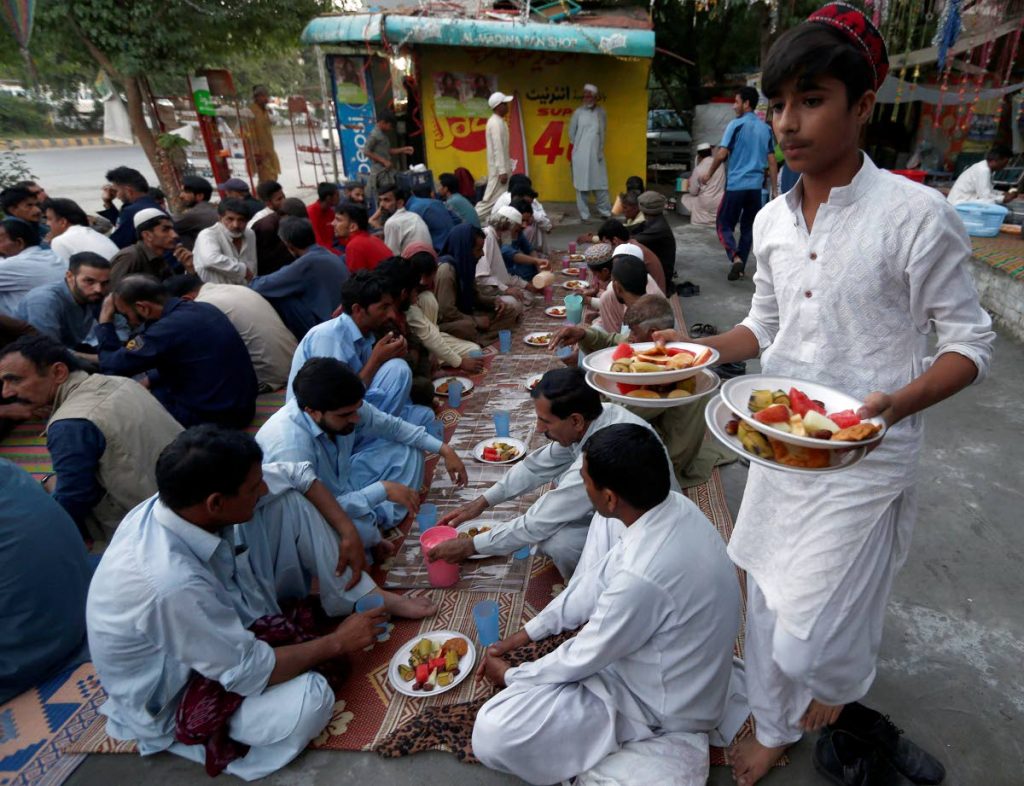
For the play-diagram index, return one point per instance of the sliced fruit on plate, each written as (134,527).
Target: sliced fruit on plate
(815,421)
(844,419)
(702,358)
(801,403)
(776,413)
(622,351)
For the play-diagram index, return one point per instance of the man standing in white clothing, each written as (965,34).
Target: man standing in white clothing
(499,165)
(975,182)
(226,252)
(589,174)
(649,673)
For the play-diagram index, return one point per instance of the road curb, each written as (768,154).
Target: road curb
(56,142)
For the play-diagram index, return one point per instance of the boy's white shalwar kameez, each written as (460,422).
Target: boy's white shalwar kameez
(558,521)
(649,672)
(849,305)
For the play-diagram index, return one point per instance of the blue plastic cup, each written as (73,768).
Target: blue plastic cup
(523,553)
(427,517)
(454,394)
(574,309)
(563,352)
(476,353)
(370,602)
(485,615)
(502,423)
(505,341)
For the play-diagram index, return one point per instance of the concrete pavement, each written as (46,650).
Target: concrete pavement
(949,672)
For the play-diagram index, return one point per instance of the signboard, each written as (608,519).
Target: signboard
(353,88)
(549,86)
(201,96)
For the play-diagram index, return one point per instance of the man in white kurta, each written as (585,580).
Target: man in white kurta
(975,182)
(649,672)
(499,163)
(557,522)
(849,305)
(226,252)
(587,129)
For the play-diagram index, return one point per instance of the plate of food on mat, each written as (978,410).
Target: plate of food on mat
(470,530)
(575,285)
(664,396)
(571,271)
(760,446)
(558,312)
(531,383)
(499,450)
(432,663)
(801,413)
(441,385)
(576,257)
(538,339)
(651,363)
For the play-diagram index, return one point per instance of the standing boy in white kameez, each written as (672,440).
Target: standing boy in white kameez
(499,165)
(632,697)
(569,412)
(855,266)
(589,174)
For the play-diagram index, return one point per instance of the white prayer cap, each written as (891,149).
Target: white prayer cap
(511,214)
(703,146)
(148,215)
(589,88)
(498,98)
(629,249)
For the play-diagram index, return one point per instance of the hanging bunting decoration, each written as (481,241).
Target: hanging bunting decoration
(949,29)
(18,15)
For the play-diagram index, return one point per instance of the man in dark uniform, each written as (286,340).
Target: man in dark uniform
(195,362)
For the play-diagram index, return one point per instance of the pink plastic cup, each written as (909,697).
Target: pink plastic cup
(441,573)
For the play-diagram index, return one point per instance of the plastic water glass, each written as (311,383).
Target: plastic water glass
(563,352)
(454,394)
(502,423)
(370,602)
(574,309)
(584,272)
(549,295)
(523,553)
(427,517)
(476,353)
(485,615)
(504,341)
(572,249)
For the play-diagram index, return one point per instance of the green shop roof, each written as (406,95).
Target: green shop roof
(397,30)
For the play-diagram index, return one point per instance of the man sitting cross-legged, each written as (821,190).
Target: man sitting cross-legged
(569,412)
(371,461)
(104,434)
(632,698)
(368,305)
(202,632)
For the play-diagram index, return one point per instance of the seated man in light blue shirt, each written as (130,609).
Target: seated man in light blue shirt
(368,305)
(371,461)
(224,549)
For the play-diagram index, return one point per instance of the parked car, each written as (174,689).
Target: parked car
(668,140)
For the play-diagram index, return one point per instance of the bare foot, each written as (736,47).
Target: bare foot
(751,760)
(382,550)
(819,715)
(413,608)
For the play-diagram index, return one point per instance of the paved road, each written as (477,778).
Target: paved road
(78,172)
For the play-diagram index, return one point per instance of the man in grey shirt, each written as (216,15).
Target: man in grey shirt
(379,150)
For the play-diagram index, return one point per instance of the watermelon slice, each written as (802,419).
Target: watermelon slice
(622,351)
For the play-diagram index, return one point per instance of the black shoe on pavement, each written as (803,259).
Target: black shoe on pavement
(906,756)
(849,761)
(735,271)
(687,289)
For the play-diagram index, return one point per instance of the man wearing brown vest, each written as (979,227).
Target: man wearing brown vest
(104,433)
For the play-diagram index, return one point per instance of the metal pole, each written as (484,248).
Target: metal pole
(327,104)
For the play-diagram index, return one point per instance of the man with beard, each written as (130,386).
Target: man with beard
(587,132)
(371,461)
(199,212)
(67,310)
(104,434)
(401,226)
(193,359)
(226,252)
(569,412)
